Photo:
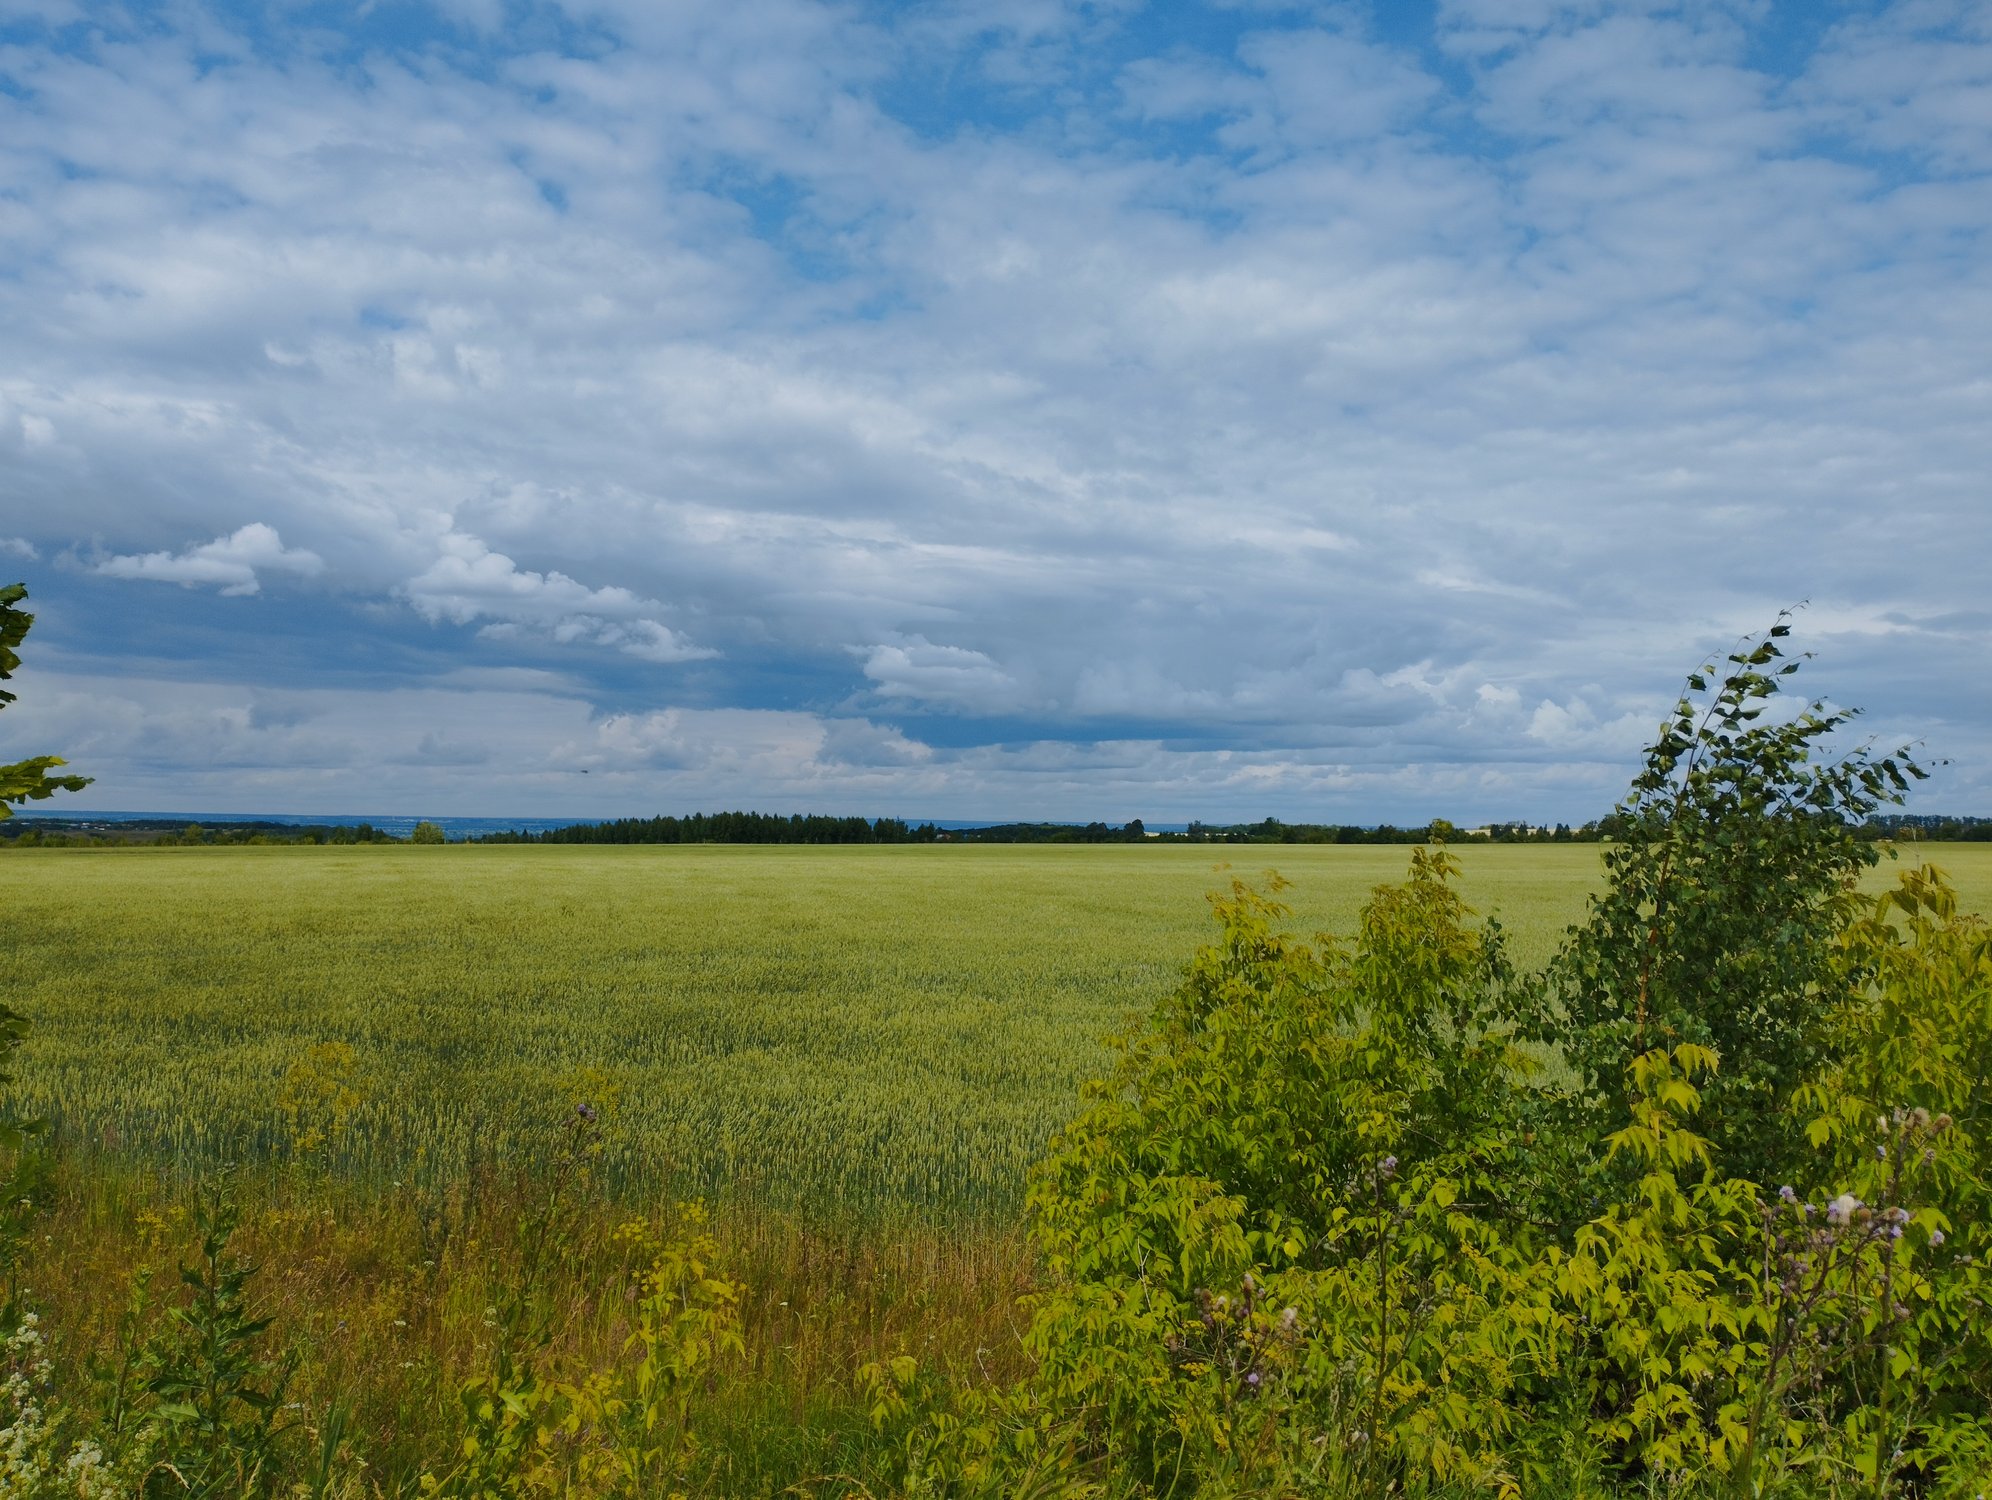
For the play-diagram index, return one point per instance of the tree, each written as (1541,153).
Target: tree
(426,832)
(1733,864)
(26,780)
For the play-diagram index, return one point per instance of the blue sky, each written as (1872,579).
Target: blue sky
(1017,409)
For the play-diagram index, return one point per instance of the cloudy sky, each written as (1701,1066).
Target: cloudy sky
(983,408)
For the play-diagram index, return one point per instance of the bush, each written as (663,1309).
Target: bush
(1703,1211)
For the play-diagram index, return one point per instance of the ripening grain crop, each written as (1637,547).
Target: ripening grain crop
(855,1030)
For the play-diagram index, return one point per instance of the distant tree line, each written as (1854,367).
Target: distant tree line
(1273,831)
(726,828)
(1130,832)
(74,833)
(773,828)
(1929,828)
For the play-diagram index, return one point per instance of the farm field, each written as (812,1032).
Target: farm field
(870,1030)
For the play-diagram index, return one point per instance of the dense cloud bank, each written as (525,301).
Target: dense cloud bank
(1012,410)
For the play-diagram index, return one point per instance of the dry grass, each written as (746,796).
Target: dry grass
(388,1297)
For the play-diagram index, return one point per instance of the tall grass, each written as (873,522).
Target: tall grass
(390,1295)
(844,1032)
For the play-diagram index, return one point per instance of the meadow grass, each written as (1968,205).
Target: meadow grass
(851,1032)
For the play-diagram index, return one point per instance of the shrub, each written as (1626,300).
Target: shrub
(1329,1227)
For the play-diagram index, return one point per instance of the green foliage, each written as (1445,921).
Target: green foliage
(1291,1244)
(1326,1230)
(527,1428)
(24,781)
(620,1431)
(1904,1115)
(686,1321)
(1283,1210)
(214,1425)
(27,780)
(426,832)
(1734,856)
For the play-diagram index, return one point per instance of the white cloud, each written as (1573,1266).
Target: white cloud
(1295,401)
(231,561)
(917,671)
(469,582)
(21,547)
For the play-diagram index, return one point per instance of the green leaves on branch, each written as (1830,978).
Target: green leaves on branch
(26,780)
(1731,869)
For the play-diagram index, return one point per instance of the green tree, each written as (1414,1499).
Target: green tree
(426,832)
(26,780)
(1732,867)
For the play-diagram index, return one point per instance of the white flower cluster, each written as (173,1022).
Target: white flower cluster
(28,1428)
(24,1425)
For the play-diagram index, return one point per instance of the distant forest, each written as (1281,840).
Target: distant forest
(773,828)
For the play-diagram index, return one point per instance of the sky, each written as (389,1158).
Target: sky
(1008,409)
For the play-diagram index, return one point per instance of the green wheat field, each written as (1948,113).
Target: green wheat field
(871,1031)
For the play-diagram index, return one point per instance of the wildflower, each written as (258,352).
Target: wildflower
(1387,1168)
(586,1112)
(1252,1379)
(1841,1209)
(1919,1118)
(1787,1195)
(1936,1238)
